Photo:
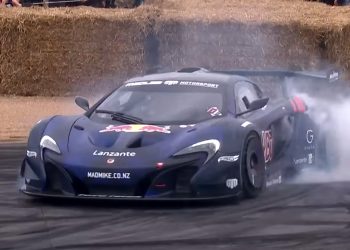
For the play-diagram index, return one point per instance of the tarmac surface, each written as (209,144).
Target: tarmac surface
(304,216)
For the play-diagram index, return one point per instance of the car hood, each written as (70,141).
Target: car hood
(149,143)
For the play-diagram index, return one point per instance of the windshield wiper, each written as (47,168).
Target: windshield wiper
(119,116)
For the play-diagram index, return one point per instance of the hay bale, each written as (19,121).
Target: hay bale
(65,51)
(336,47)
(60,51)
(254,34)
(125,3)
(230,45)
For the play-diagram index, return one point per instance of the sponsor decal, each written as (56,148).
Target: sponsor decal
(310,147)
(310,158)
(133,128)
(143,83)
(267,143)
(228,158)
(274,181)
(170,83)
(309,136)
(108,175)
(245,124)
(110,161)
(300,161)
(187,126)
(333,76)
(214,111)
(200,84)
(115,154)
(108,196)
(31,154)
(231,183)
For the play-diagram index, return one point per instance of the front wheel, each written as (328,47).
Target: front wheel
(253,167)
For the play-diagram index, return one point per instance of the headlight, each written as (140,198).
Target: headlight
(208,146)
(49,143)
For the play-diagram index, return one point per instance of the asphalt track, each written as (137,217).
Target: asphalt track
(285,217)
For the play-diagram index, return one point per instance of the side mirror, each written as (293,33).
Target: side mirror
(258,104)
(254,105)
(82,102)
(246,102)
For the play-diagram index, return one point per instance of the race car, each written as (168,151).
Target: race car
(189,134)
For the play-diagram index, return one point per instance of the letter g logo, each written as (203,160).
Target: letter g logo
(310,136)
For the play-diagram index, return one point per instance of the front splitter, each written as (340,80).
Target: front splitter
(125,198)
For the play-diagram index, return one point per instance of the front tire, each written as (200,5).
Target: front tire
(253,167)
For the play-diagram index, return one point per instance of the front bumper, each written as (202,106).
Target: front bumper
(185,179)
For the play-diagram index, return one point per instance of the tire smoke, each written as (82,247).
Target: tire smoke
(331,112)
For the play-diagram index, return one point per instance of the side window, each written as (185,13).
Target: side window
(245,90)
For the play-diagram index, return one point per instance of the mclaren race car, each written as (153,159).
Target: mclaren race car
(190,134)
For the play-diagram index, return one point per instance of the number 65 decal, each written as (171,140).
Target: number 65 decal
(267,143)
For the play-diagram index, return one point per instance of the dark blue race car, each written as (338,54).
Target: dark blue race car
(190,134)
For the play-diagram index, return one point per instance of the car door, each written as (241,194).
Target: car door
(271,122)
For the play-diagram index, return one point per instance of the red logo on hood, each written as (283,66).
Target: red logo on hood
(135,128)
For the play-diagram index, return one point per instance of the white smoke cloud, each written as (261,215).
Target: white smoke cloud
(332,114)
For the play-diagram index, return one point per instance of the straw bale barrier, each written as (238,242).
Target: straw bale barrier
(226,34)
(228,45)
(64,51)
(69,51)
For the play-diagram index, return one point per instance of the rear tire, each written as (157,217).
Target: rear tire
(253,167)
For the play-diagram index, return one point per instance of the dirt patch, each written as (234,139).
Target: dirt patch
(19,114)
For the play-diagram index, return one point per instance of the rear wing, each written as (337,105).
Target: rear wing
(330,76)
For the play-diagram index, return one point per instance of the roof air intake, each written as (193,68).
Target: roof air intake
(192,69)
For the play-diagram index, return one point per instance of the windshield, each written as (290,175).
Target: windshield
(163,104)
